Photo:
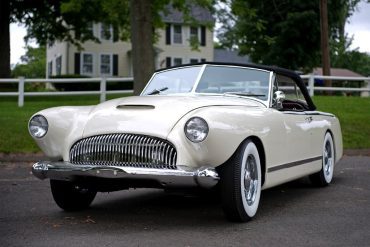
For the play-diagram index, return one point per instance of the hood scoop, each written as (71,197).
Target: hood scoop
(135,107)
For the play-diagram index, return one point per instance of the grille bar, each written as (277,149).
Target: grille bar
(128,150)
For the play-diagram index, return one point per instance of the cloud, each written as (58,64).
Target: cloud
(359,27)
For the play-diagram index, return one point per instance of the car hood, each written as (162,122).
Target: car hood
(151,114)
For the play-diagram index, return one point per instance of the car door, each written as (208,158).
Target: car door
(298,127)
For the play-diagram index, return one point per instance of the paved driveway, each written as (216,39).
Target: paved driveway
(295,214)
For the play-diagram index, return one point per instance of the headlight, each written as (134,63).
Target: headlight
(38,126)
(196,129)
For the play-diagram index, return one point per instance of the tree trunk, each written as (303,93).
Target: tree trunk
(325,40)
(142,42)
(4,39)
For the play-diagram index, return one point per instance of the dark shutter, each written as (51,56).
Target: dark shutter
(168,62)
(203,36)
(168,34)
(77,63)
(115,64)
(115,34)
(202,60)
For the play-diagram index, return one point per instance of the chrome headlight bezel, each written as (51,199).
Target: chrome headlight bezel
(196,129)
(38,126)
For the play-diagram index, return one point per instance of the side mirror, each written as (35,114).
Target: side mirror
(279,97)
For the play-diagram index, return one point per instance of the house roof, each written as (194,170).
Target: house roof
(200,14)
(228,56)
(338,72)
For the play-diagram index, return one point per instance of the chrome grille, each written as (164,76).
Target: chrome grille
(124,150)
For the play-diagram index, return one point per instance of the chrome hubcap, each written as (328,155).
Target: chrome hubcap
(328,159)
(250,180)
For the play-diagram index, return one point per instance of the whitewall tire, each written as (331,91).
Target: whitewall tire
(241,183)
(325,175)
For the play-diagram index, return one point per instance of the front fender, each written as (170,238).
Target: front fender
(66,125)
(229,126)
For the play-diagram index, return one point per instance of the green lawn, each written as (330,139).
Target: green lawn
(353,112)
(354,116)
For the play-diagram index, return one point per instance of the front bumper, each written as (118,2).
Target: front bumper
(203,177)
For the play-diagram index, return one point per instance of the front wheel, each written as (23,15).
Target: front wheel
(325,175)
(70,196)
(240,183)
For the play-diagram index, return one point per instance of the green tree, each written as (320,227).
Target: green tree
(33,63)
(283,33)
(30,13)
(342,57)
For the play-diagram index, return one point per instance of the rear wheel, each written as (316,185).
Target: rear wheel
(70,196)
(325,175)
(241,183)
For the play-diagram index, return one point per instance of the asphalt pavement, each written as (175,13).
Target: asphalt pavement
(294,214)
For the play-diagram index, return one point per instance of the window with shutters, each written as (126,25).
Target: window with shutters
(198,34)
(87,63)
(194,60)
(177,34)
(106,64)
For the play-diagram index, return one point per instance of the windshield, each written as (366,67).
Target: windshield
(181,80)
(235,80)
(213,80)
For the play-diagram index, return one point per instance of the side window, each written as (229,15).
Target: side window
(293,98)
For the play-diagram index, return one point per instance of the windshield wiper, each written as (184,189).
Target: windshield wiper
(157,91)
(245,94)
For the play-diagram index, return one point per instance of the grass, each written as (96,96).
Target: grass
(354,116)
(353,112)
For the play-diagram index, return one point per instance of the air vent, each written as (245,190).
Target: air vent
(136,107)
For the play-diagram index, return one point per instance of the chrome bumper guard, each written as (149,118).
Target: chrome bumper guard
(203,177)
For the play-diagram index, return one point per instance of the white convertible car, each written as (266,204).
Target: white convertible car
(238,128)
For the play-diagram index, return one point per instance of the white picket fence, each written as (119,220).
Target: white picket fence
(312,88)
(365,91)
(102,92)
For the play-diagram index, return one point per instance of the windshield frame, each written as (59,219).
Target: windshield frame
(199,76)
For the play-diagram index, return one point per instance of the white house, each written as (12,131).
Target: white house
(112,57)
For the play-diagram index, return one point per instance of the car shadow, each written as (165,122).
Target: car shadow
(155,209)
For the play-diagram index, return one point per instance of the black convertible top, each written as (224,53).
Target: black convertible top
(285,72)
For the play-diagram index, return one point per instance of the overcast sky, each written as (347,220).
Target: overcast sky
(358,26)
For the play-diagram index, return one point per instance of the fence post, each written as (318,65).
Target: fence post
(103,89)
(311,83)
(366,86)
(21,92)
